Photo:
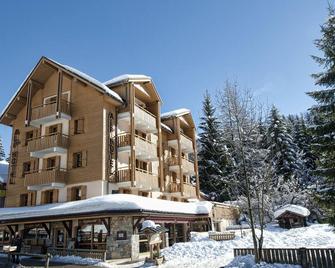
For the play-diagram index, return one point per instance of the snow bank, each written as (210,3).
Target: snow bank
(107,203)
(202,252)
(178,112)
(126,78)
(302,211)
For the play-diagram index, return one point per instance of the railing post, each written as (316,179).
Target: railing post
(302,257)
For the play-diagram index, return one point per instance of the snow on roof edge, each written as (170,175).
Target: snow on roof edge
(299,210)
(111,203)
(166,127)
(175,113)
(126,78)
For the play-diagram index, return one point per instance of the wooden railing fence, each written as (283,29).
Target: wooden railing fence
(222,236)
(306,257)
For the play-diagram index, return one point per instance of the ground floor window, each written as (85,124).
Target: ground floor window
(4,237)
(91,234)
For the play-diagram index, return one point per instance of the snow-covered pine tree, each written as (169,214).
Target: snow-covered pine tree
(283,152)
(212,156)
(2,151)
(323,114)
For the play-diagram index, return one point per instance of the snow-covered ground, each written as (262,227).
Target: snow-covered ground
(202,252)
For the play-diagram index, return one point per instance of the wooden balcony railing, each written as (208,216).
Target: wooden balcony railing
(187,165)
(173,161)
(48,141)
(189,190)
(174,187)
(141,145)
(146,179)
(39,177)
(122,175)
(45,110)
(186,143)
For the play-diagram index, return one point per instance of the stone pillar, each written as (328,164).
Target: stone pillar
(135,247)
(166,240)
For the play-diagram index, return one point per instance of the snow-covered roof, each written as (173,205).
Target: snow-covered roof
(175,113)
(166,127)
(107,203)
(299,210)
(91,80)
(127,78)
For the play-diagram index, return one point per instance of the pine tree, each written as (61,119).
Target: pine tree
(283,152)
(213,158)
(323,114)
(2,151)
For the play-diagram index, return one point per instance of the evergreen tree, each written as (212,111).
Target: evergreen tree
(283,152)
(2,151)
(323,114)
(213,158)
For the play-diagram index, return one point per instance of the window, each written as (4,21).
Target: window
(23,200)
(48,197)
(77,193)
(26,168)
(50,100)
(53,129)
(51,163)
(29,137)
(79,126)
(77,160)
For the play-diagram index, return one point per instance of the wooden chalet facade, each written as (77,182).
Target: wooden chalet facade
(75,138)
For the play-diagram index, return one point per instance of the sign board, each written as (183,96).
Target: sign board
(155,239)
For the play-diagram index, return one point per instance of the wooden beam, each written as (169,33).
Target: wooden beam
(47,228)
(68,227)
(10,228)
(195,151)
(10,116)
(59,93)
(132,133)
(107,225)
(137,223)
(37,84)
(28,108)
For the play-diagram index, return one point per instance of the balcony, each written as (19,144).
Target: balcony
(53,143)
(46,113)
(187,166)
(144,179)
(50,178)
(145,150)
(190,190)
(186,144)
(174,187)
(144,120)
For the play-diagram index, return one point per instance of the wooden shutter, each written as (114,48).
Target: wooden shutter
(42,197)
(69,194)
(45,163)
(83,192)
(59,128)
(57,162)
(31,198)
(55,196)
(70,161)
(71,127)
(84,158)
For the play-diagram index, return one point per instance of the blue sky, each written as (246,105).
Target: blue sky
(186,46)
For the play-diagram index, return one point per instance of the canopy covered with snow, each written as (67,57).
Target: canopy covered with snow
(175,113)
(127,78)
(295,209)
(112,203)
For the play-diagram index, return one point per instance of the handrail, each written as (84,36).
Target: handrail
(46,169)
(145,110)
(145,171)
(48,135)
(50,103)
(136,136)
